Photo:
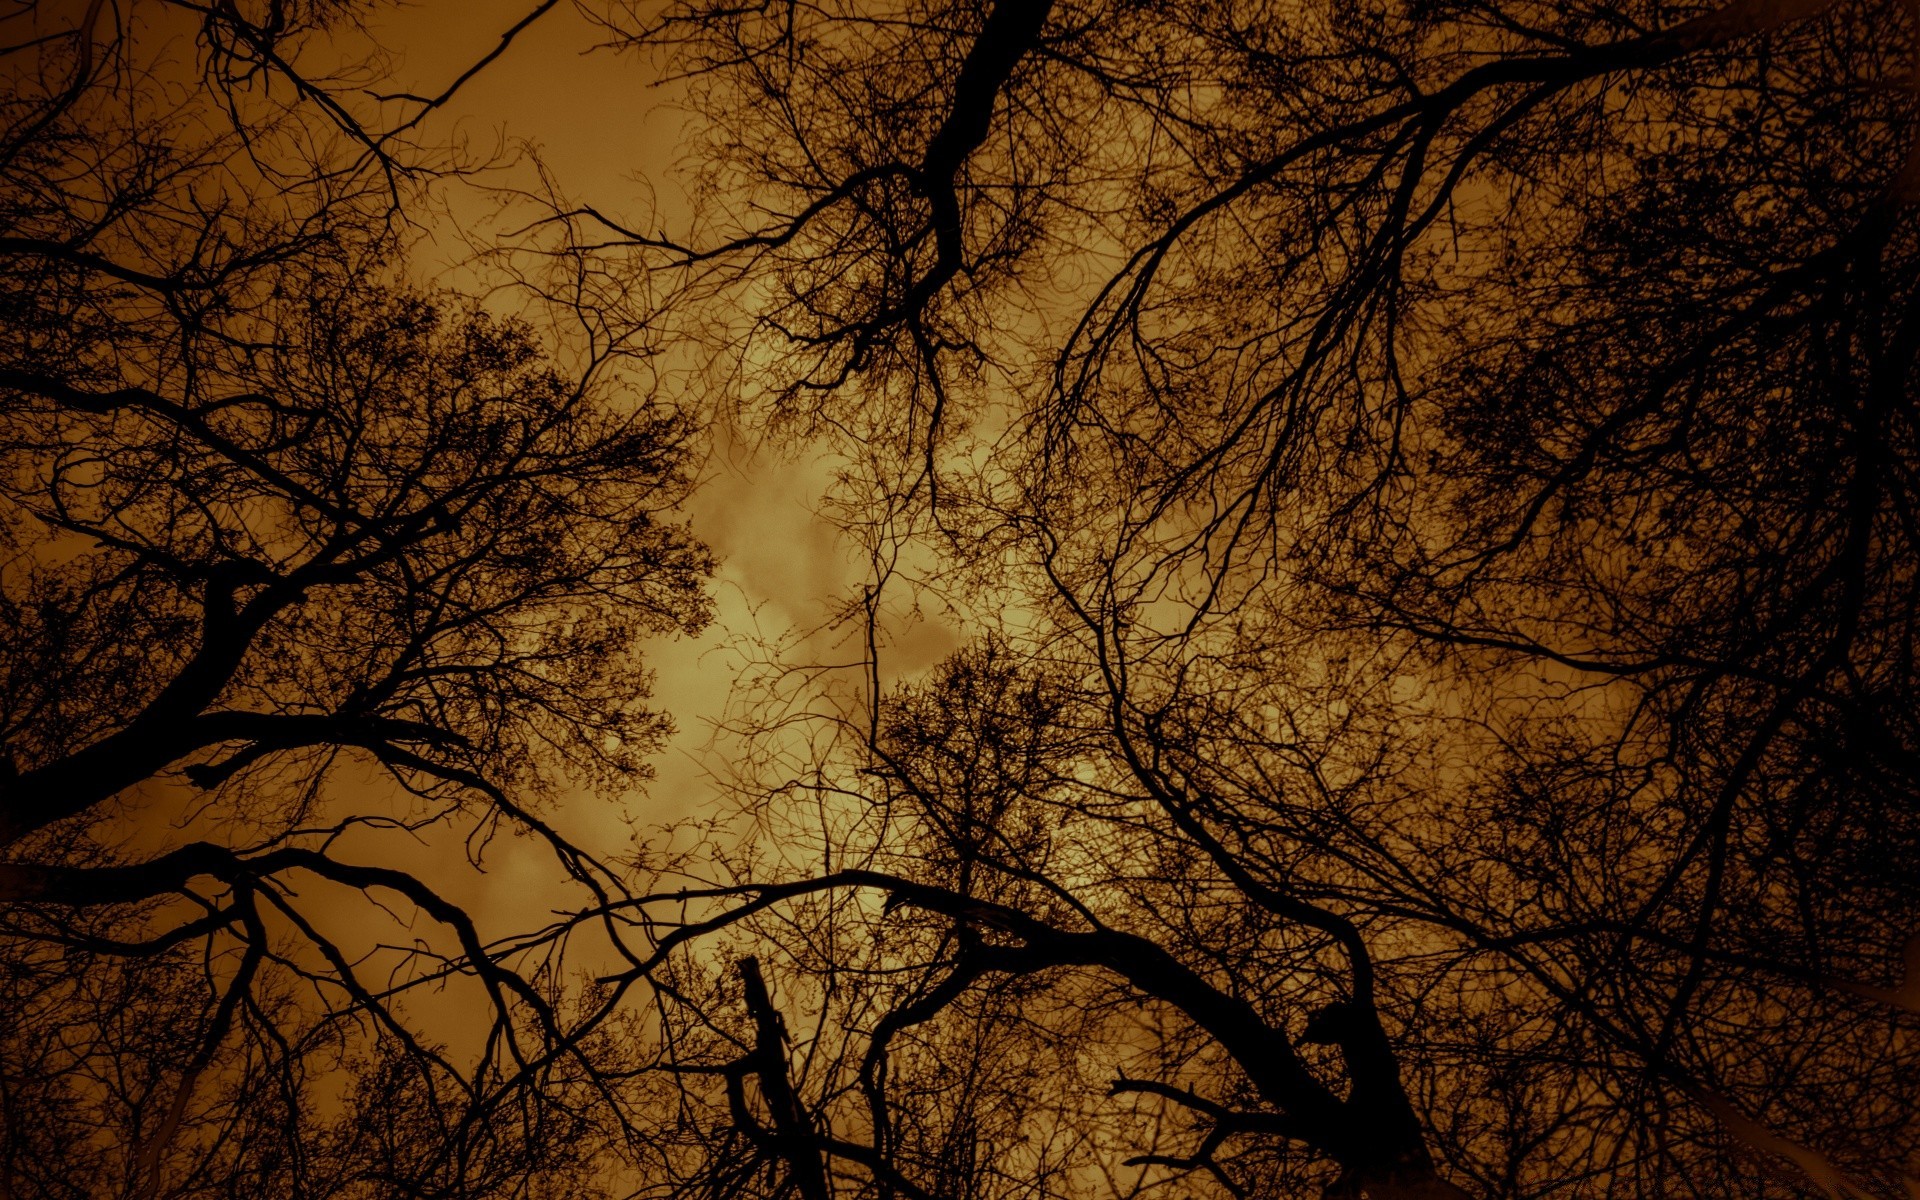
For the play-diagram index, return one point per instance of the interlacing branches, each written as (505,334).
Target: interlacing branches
(1432,488)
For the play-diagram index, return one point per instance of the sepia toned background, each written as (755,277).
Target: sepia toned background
(1305,601)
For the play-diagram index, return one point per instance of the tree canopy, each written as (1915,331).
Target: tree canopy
(1425,490)
(305,568)
(1435,486)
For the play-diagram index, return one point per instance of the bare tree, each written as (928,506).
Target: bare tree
(1449,468)
(312,580)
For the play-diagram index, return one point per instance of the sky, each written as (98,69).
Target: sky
(610,136)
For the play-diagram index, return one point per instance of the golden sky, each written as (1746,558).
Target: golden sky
(610,136)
